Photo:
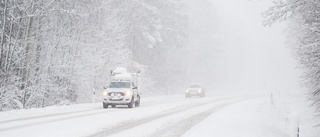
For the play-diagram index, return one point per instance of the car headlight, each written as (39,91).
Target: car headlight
(128,93)
(105,93)
(199,91)
(187,91)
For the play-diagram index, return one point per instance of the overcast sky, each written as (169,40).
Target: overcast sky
(233,51)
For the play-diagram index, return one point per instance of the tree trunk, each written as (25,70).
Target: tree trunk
(3,31)
(25,77)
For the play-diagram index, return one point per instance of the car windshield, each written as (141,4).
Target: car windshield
(119,85)
(195,86)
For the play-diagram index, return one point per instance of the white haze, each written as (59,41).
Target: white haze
(229,50)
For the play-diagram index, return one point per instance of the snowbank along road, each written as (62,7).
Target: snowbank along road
(159,116)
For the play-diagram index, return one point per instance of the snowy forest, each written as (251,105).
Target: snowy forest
(61,51)
(58,51)
(303,18)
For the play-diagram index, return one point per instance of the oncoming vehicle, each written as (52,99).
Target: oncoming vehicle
(195,89)
(122,90)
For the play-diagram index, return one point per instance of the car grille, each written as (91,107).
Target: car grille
(115,93)
(116,96)
(193,91)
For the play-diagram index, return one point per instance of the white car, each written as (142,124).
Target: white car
(121,93)
(195,89)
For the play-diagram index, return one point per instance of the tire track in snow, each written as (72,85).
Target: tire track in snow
(134,123)
(180,127)
(45,116)
(49,121)
(74,112)
(64,116)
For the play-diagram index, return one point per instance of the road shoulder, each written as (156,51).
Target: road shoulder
(244,119)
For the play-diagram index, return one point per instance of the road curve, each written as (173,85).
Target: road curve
(174,122)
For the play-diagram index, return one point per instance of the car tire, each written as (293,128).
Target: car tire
(130,105)
(105,105)
(113,106)
(137,103)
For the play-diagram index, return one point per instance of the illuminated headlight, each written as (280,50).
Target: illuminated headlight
(187,91)
(199,91)
(105,93)
(128,93)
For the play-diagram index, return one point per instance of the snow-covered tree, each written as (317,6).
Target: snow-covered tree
(52,52)
(304,30)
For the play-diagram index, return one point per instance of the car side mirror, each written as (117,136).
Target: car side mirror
(135,88)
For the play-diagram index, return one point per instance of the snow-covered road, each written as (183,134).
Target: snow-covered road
(157,116)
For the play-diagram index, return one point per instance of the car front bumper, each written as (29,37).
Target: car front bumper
(117,100)
(194,93)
